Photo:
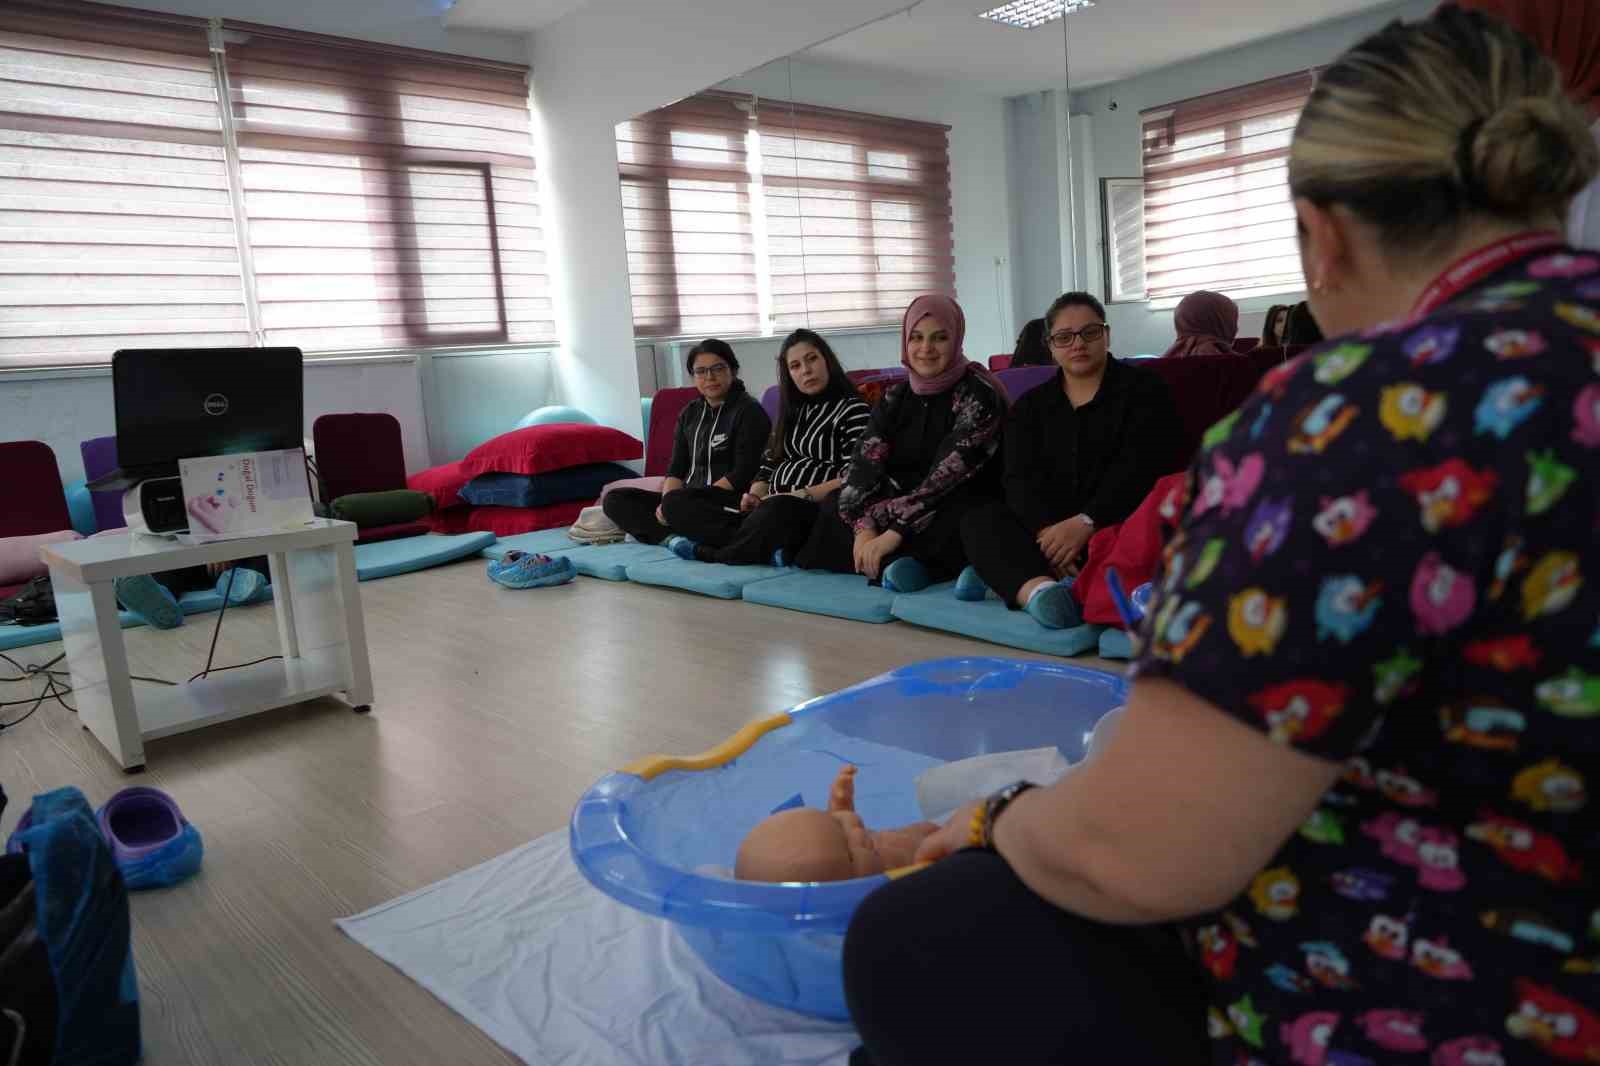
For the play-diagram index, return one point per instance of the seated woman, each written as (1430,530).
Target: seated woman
(716,449)
(1357,768)
(1032,349)
(1273,324)
(1206,324)
(821,416)
(920,465)
(1081,452)
(154,597)
(1300,327)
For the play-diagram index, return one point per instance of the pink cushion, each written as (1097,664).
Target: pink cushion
(19,556)
(443,483)
(541,449)
(649,484)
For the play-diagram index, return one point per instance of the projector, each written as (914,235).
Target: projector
(156,506)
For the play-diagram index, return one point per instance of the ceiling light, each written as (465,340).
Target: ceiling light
(1031,14)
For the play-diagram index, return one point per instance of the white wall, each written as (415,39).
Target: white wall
(1136,329)
(979,182)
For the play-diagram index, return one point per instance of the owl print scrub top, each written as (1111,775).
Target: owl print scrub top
(1391,559)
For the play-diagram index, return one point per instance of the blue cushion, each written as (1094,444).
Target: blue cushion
(541,490)
(938,608)
(819,592)
(553,415)
(386,558)
(611,561)
(1116,644)
(708,579)
(552,542)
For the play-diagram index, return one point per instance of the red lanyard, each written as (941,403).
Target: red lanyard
(1475,266)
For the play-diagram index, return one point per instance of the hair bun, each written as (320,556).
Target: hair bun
(1532,155)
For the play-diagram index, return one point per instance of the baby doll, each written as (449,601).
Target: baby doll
(806,844)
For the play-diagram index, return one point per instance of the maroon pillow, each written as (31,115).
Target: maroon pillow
(443,483)
(540,449)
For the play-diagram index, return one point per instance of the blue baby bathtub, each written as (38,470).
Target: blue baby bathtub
(661,834)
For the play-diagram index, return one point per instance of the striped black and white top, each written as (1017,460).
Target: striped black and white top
(818,444)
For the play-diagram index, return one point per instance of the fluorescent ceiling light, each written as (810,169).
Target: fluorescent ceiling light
(1031,14)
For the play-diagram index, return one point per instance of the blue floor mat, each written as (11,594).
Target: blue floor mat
(708,579)
(939,609)
(1116,644)
(611,561)
(552,542)
(819,592)
(386,558)
(13,636)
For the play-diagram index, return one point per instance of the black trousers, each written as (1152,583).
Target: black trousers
(963,963)
(831,545)
(197,579)
(635,511)
(1002,549)
(704,514)
(781,522)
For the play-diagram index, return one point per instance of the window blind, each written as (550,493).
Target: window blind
(687,212)
(390,195)
(115,222)
(1216,199)
(858,214)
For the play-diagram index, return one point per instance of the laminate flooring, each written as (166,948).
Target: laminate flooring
(495,710)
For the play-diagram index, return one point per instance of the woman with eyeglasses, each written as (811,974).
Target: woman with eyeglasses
(716,448)
(920,465)
(1081,452)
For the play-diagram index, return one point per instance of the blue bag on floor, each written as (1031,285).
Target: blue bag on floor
(84,923)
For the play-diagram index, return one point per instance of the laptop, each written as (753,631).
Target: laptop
(186,403)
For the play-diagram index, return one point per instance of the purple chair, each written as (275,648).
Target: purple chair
(1019,380)
(100,457)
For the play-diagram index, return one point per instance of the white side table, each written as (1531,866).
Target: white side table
(320,628)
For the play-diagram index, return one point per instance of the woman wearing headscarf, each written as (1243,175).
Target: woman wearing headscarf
(1206,324)
(922,462)
(1358,762)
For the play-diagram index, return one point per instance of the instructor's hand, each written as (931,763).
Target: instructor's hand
(950,837)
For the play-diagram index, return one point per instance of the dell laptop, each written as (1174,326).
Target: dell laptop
(184,403)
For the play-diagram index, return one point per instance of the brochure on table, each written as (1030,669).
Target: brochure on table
(243,495)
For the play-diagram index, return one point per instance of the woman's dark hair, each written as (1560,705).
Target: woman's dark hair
(1032,347)
(1274,313)
(1301,328)
(712,346)
(1072,299)
(791,399)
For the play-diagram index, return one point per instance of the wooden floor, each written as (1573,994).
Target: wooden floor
(495,710)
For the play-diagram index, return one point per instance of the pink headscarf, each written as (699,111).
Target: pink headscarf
(1206,323)
(948,314)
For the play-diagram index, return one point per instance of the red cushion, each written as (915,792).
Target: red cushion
(8,591)
(443,483)
(1207,387)
(541,449)
(664,411)
(507,521)
(31,497)
(1000,362)
(358,453)
(373,534)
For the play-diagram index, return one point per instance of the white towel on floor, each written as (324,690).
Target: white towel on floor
(555,972)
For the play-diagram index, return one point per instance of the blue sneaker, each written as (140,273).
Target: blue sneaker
(150,600)
(1053,607)
(249,586)
(681,546)
(905,574)
(970,587)
(522,570)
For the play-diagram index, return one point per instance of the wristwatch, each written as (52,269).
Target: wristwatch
(996,804)
(1086,520)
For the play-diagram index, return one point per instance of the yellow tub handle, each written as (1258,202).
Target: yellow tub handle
(903,871)
(653,765)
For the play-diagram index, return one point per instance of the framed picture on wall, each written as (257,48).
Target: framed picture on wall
(1122,232)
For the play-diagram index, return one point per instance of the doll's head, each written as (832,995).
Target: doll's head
(806,844)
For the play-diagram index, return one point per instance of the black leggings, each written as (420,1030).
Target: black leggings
(198,579)
(831,545)
(708,515)
(780,523)
(963,963)
(1002,550)
(634,510)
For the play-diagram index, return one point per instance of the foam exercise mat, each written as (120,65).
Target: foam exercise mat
(387,558)
(819,592)
(552,542)
(938,608)
(611,561)
(708,579)
(204,601)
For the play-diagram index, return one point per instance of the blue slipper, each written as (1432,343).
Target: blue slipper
(780,560)
(681,546)
(1054,608)
(523,570)
(150,600)
(249,586)
(970,587)
(906,574)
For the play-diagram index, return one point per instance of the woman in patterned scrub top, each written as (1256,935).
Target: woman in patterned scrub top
(1356,778)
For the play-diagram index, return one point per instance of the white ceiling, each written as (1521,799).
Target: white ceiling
(515,15)
(1113,40)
